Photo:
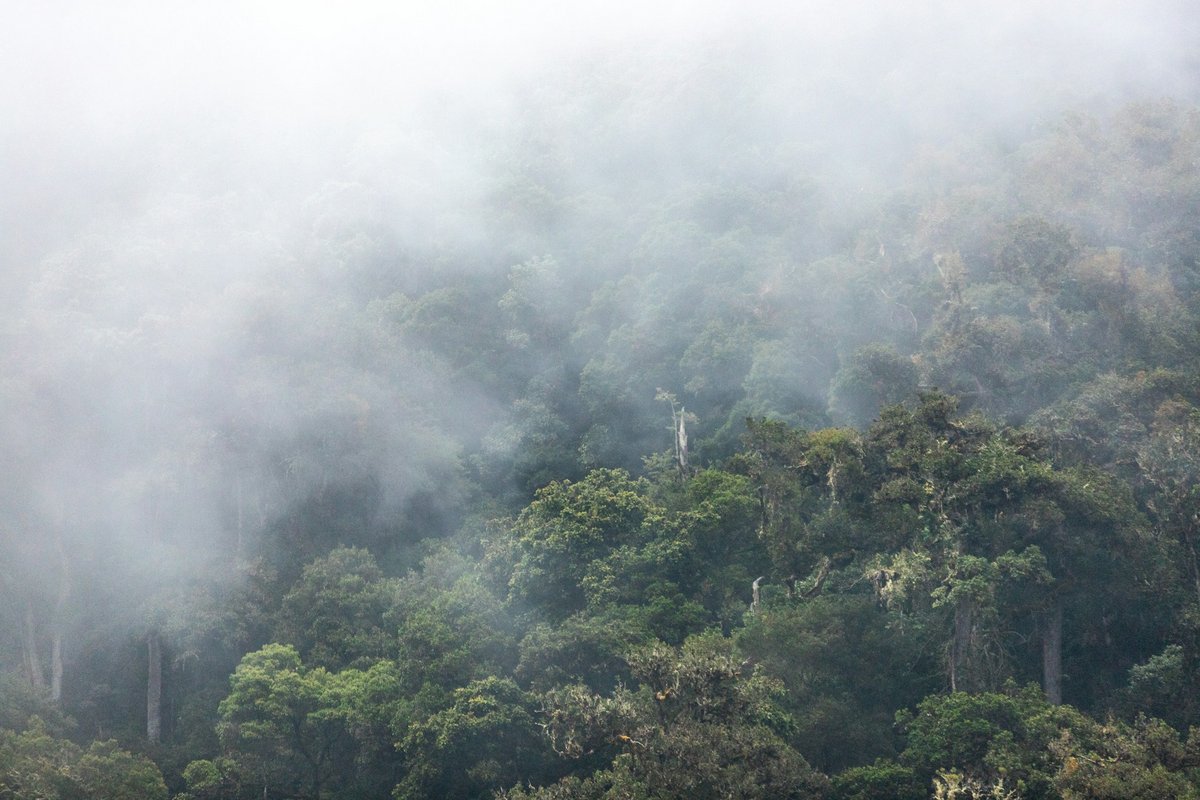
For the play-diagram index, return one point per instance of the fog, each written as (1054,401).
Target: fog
(107,104)
(212,213)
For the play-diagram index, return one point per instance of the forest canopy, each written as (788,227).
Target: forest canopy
(742,404)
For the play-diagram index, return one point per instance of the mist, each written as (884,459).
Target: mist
(191,189)
(278,277)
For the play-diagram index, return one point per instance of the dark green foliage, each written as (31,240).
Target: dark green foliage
(989,737)
(19,703)
(448,631)
(1140,761)
(299,729)
(699,727)
(36,764)
(566,528)
(486,738)
(607,546)
(584,648)
(334,614)
(873,377)
(842,665)
(883,780)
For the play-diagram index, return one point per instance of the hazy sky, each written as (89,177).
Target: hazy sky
(79,79)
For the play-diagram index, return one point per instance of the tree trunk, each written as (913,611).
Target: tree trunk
(239,492)
(154,688)
(60,618)
(960,645)
(1052,652)
(56,666)
(681,442)
(33,663)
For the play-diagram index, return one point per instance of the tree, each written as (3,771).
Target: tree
(486,739)
(875,376)
(36,764)
(294,728)
(990,738)
(844,670)
(1114,761)
(449,630)
(808,483)
(699,726)
(566,528)
(334,614)
(992,537)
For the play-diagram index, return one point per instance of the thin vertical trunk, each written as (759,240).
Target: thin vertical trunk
(960,645)
(1052,652)
(241,512)
(56,666)
(154,688)
(681,441)
(33,663)
(60,618)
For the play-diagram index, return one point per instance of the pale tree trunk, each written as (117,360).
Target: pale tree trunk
(56,666)
(1052,652)
(34,629)
(33,663)
(154,688)
(60,618)
(681,442)
(240,523)
(756,593)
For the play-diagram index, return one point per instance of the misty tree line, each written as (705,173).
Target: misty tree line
(411,513)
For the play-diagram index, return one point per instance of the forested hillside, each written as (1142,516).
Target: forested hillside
(773,411)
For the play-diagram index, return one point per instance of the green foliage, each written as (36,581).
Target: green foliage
(1135,762)
(883,780)
(334,614)
(20,702)
(211,780)
(486,738)
(805,481)
(297,728)
(875,376)
(665,560)
(990,738)
(842,666)
(586,647)
(106,772)
(36,764)
(698,727)
(449,630)
(567,527)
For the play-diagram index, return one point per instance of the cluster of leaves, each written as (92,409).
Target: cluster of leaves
(36,763)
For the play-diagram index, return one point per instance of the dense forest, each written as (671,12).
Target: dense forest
(764,414)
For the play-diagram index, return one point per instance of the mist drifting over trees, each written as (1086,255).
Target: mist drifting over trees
(596,401)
